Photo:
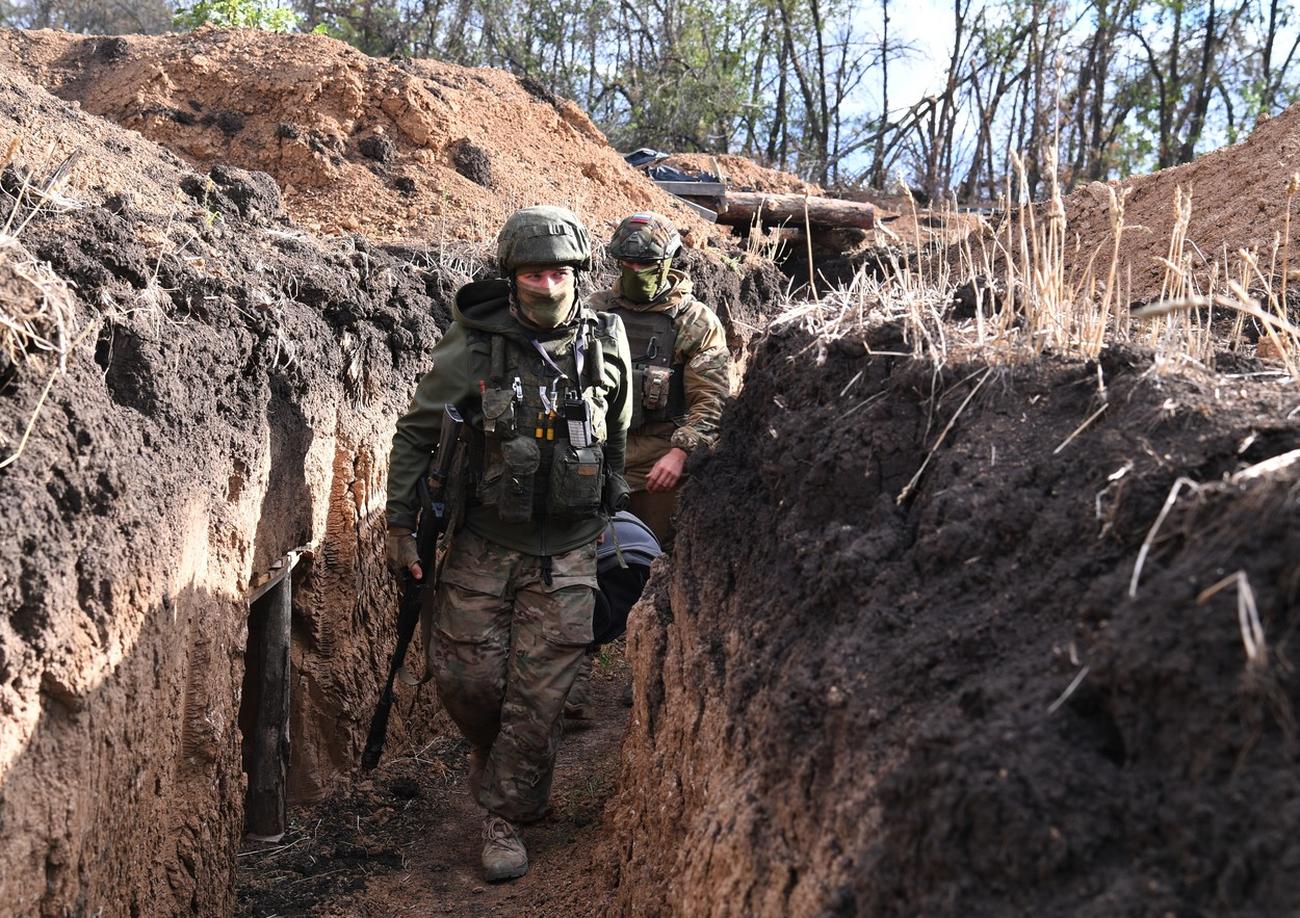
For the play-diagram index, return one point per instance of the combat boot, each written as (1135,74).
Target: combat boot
(504,857)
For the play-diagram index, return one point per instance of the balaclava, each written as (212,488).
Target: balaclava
(643,286)
(547,310)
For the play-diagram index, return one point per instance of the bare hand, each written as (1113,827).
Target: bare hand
(667,471)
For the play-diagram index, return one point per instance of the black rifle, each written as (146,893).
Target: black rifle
(435,515)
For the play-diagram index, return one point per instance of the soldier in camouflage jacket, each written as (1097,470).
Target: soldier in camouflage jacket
(681,366)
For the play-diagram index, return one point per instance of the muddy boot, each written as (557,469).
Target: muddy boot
(504,857)
(576,706)
(477,761)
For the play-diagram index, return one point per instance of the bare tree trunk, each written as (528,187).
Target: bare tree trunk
(878,155)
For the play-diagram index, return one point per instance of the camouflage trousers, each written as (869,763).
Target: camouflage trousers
(654,508)
(505,649)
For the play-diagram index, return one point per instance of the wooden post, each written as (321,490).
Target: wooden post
(266,811)
(739,208)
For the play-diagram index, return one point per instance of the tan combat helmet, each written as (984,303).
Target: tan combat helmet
(543,235)
(645,237)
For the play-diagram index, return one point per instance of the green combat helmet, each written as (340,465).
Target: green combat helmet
(543,235)
(645,237)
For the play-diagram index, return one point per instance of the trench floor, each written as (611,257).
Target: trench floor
(406,840)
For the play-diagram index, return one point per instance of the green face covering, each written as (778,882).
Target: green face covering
(642,286)
(547,310)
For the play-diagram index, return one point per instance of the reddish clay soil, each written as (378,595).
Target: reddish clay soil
(404,149)
(949,704)
(1238,201)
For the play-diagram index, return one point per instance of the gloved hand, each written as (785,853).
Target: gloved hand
(399,545)
(617,495)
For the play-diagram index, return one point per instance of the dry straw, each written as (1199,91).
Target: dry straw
(1038,288)
(37,317)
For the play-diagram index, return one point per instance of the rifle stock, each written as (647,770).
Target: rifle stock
(434,521)
(407,619)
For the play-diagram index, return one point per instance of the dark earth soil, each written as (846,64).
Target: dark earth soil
(949,704)
(406,840)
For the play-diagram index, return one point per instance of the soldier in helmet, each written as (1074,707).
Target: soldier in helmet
(544,385)
(681,371)
(681,375)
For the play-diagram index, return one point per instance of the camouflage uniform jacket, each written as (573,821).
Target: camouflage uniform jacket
(481,312)
(700,349)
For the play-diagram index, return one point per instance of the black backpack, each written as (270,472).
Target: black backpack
(620,585)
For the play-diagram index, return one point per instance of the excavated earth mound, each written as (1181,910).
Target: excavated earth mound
(1239,201)
(394,149)
(950,704)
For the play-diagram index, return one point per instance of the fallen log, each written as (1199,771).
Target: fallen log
(739,207)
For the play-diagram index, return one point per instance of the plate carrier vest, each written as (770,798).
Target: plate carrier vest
(658,385)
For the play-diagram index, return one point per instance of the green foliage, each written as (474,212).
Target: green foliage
(237,14)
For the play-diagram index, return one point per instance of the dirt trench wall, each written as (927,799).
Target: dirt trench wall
(230,397)
(865,708)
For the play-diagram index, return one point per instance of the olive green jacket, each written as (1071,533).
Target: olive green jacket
(484,306)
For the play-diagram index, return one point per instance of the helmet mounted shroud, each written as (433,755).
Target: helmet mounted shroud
(645,237)
(543,235)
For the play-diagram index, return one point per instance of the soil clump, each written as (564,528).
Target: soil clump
(935,695)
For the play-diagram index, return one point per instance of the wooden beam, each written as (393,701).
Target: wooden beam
(739,208)
(279,570)
(700,209)
(694,189)
(266,809)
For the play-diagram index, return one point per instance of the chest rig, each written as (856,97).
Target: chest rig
(536,449)
(658,385)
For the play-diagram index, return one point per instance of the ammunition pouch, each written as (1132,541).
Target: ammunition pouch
(509,485)
(654,388)
(499,415)
(577,482)
(658,386)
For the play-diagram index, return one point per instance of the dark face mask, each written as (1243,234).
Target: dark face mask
(643,286)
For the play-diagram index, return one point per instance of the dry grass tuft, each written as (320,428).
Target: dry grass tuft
(1029,301)
(36,309)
